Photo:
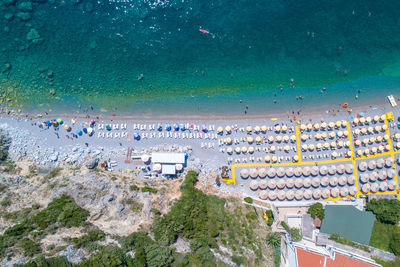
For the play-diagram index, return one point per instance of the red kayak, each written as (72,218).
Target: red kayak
(204,31)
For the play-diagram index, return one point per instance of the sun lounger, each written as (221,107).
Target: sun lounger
(109,135)
(123,126)
(100,127)
(124,134)
(100,134)
(117,135)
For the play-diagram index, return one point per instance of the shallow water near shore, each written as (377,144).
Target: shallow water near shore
(149,57)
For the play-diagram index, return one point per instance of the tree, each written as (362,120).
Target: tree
(295,234)
(395,242)
(316,210)
(274,239)
(386,210)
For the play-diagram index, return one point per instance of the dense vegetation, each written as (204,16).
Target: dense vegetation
(348,242)
(316,210)
(385,210)
(4,145)
(295,233)
(270,216)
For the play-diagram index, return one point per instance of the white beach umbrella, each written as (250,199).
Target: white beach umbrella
(271,184)
(229,150)
(332,135)
(372,140)
(340,134)
(344,191)
(386,137)
(304,137)
(324,125)
(314,170)
(299,194)
(267,158)
(324,135)
(378,128)
(228,129)
(364,177)
(387,147)
(249,129)
(397,136)
(309,126)
(257,129)
(353,190)
(323,170)
(293,138)
(363,130)
(370,130)
(317,136)
(331,124)
(333,181)
(351,180)
(271,139)
(366,151)
(374,150)
(304,147)
(253,173)
(362,166)
(389,162)
(280,172)
(272,195)
(281,183)
(306,171)
(347,144)
(365,141)
(342,180)
(379,139)
(383,186)
(179,167)
(298,182)
(371,164)
(398,145)
(250,139)
(340,168)
(376,118)
(145,158)
(307,194)
(272,149)
(338,124)
(392,185)
(277,128)
(326,193)
(271,172)
(279,139)
(316,193)
(360,153)
(263,194)
(281,195)
(382,175)
(344,123)
(289,195)
(340,144)
(303,127)
(289,183)
(262,172)
(316,126)
(366,188)
(380,163)
(289,172)
(334,192)
(357,131)
(319,146)
(332,169)
(368,119)
(157,168)
(254,185)
(362,120)
(237,150)
(298,171)
(285,138)
(244,149)
(263,184)
(374,187)
(284,128)
(324,181)
(307,182)
(373,176)
(349,168)
(390,173)
(315,182)
(358,142)
(311,147)
(274,159)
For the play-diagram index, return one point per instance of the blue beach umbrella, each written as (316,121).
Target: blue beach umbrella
(182,126)
(168,127)
(136,136)
(108,127)
(48,123)
(159,127)
(79,132)
(176,127)
(204,128)
(84,130)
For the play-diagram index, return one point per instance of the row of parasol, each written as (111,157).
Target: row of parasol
(323,125)
(299,182)
(324,135)
(259,139)
(370,129)
(256,129)
(307,193)
(326,145)
(377,175)
(373,164)
(297,171)
(368,120)
(375,187)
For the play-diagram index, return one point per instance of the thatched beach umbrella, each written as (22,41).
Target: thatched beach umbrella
(390,173)
(263,184)
(351,180)
(334,192)
(362,120)
(323,170)
(254,185)
(356,121)
(263,128)
(316,193)
(229,150)
(249,129)
(360,153)
(253,173)
(228,129)
(289,172)
(271,172)
(277,128)
(307,194)
(362,166)
(279,139)
(353,190)
(344,191)
(244,149)
(380,163)
(326,193)
(306,171)
(324,125)
(340,168)
(389,162)
(376,118)
(382,175)
(284,128)
(267,158)
(373,176)
(299,194)
(364,177)
(289,195)
(314,170)
(371,164)
(298,171)
(374,187)
(333,181)
(298,183)
(316,126)
(392,185)
(280,172)
(250,139)
(285,138)
(272,195)
(293,138)
(281,195)
(251,149)
(311,147)
(263,194)
(383,186)
(370,129)
(315,182)
(289,183)
(324,181)
(366,188)
(280,183)
(257,129)
(237,150)
(332,169)
(307,182)
(342,180)
(262,172)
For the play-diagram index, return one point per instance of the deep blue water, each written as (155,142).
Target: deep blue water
(150,57)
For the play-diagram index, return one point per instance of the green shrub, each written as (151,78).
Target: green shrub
(274,239)
(395,242)
(108,256)
(30,248)
(295,234)
(345,241)
(239,260)
(149,189)
(63,210)
(134,187)
(385,210)
(90,237)
(270,216)
(41,261)
(285,226)
(248,200)
(316,210)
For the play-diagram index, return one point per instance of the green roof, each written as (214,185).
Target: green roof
(349,222)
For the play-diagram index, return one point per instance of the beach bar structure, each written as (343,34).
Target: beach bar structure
(168,163)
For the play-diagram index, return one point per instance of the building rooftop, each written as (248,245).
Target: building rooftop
(349,222)
(168,169)
(171,158)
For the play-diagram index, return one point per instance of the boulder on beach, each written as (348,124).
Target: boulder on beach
(92,163)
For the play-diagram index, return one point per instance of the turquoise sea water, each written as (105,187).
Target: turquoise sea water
(149,57)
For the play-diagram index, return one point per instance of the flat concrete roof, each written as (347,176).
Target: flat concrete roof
(168,169)
(171,158)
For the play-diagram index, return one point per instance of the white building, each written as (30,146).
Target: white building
(168,163)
